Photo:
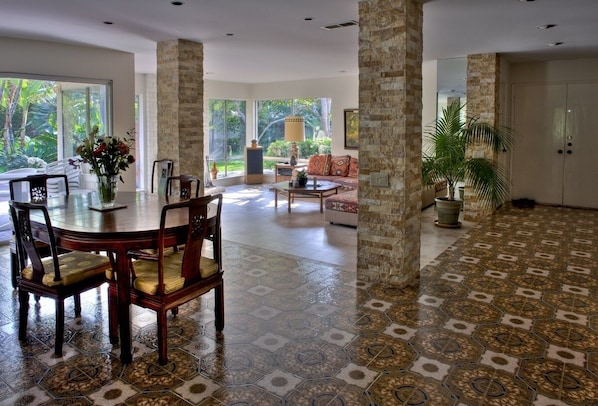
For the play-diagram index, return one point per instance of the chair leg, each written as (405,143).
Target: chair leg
(162,337)
(112,313)
(23,314)
(14,269)
(219,306)
(59,327)
(77,299)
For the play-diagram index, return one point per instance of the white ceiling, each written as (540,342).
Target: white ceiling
(272,42)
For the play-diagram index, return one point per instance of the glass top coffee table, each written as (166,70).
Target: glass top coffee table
(321,189)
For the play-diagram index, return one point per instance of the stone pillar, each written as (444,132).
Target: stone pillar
(483,86)
(180,105)
(390,139)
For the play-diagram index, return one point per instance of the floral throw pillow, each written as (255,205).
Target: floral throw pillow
(339,165)
(318,165)
(354,167)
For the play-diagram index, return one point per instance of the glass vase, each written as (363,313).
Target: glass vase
(107,190)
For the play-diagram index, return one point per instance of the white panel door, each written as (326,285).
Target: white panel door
(580,187)
(555,158)
(539,121)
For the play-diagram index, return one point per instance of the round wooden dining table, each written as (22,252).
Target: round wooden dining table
(78,224)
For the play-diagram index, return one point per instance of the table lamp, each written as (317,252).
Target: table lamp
(294,131)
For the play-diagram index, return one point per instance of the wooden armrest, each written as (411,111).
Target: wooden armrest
(142,255)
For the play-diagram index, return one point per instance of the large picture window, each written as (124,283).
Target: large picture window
(318,125)
(45,120)
(227,136)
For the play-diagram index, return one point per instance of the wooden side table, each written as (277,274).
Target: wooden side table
(285,171)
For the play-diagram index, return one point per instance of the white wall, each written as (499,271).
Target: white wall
(146,89)
(25,57)
(572,70)
(429,95)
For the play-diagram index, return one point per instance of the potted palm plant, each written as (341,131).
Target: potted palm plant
(448,140)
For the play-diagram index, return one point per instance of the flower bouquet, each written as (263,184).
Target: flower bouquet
(106,156)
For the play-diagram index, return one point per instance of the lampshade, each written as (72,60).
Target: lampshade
(294,129)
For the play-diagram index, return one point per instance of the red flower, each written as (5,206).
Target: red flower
(107,156)
(123,148)
(98,151)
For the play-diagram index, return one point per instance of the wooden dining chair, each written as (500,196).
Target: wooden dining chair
(57,276)
(34,188)
(166,280)
(161,170)
(188,186)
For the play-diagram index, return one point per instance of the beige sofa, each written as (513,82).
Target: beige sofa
(341,169)
(342,208)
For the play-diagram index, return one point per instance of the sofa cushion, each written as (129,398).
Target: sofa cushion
(353,167)
(339,165)
(345,202)
(318,165)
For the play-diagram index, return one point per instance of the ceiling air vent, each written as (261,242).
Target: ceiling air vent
(340,25)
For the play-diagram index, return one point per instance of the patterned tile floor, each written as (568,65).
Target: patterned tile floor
(505,315)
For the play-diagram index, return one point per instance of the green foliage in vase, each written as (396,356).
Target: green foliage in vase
(106,156)
(301,175)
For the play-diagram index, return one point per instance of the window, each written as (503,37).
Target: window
(227,136)
(45,120)
(84,106)
(270,125)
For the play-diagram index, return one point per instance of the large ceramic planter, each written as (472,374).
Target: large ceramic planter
(448,212)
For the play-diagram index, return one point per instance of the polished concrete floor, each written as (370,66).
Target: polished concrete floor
(506,313)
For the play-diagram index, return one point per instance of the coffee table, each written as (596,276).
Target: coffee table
(321,189)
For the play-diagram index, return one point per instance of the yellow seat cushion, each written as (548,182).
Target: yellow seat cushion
(74,267)
(147,273)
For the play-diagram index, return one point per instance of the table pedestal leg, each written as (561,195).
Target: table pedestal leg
(124,306)
(321,202)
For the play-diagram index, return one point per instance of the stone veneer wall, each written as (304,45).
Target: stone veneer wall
(483,98)
(180,105)
(390,105)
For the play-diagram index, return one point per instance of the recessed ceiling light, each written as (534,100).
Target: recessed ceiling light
(308,19)
(108,22)
(230,34)
(554,44)
(176,3)
(545,26)
(524,1)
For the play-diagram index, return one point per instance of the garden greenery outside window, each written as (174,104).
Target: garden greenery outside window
(227,136)
(43,120)
(270,127)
